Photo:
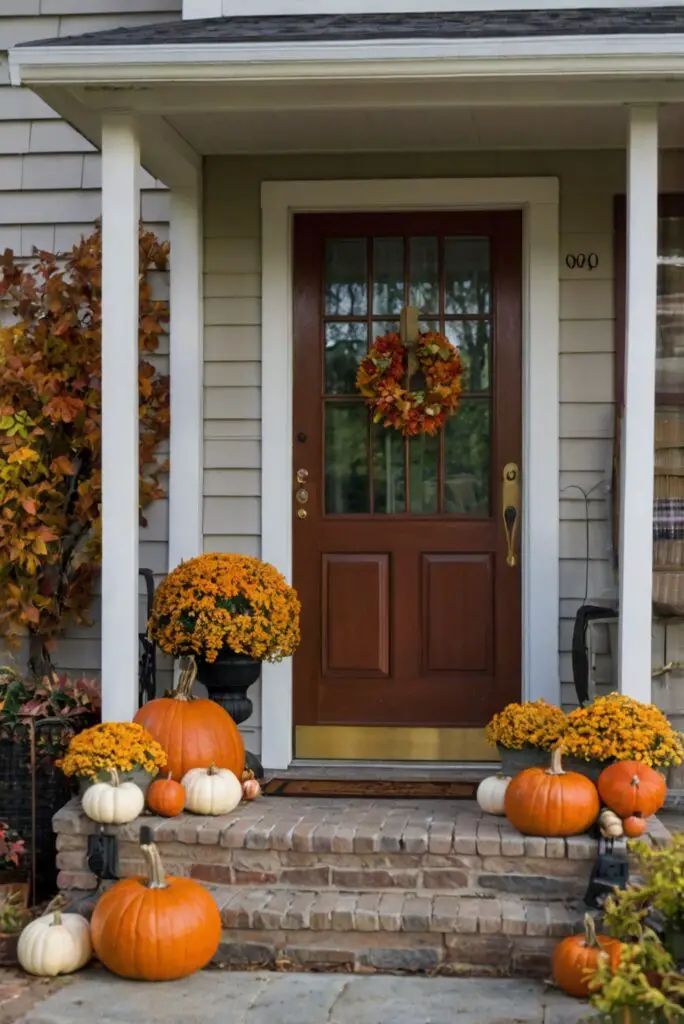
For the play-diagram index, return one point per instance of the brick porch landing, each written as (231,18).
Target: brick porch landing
(361,884)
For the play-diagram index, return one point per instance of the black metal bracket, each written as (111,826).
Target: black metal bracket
(610,872)
(103,855)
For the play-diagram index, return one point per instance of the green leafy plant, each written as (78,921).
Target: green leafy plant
(13,913)
(645,987)
(659,891)
(50,434)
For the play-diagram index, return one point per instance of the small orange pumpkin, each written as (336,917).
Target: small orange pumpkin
(576,958)
(634,826)
(630,787)
(550,801)
(156,928)
(193,733)
(166,797)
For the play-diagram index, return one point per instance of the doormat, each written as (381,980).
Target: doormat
(421,789)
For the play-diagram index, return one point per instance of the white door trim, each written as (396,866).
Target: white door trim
(538,198)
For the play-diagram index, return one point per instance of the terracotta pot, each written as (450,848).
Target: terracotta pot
(8,950)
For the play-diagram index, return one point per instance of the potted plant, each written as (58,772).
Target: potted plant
(525,734)
(644,988)
(230,612)
(38,717)
(12,863)
(13,917)
(619,728)
(124,748)
(656,899)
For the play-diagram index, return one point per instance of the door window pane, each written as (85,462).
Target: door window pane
(467,459)
(388,276)
(424,274)
(670,324)
(471,338)
(389,470)
(424,470)
(345,346)
(346,458)
(467,276)
(346,277)
(382,327)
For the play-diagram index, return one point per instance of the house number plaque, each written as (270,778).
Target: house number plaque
(582,260)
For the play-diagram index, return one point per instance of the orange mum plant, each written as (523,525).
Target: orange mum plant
(217,601)
(532,724)
(50,437)
(619,728)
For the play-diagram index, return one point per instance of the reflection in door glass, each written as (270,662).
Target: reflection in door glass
(346,277)
(424,274)
(389,471)
(388,276)
(471,337)
(346,458)
(467,459)
(467,276)
(424,470)
(345,346)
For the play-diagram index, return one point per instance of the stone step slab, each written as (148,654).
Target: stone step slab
(428,847)
(392,931)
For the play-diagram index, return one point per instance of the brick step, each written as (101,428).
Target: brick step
(398,931)
(352,845)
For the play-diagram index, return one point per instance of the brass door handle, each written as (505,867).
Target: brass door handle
(510,501)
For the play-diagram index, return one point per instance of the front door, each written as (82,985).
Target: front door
(411,621)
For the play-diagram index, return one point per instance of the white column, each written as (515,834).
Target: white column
(120,439)
(636,504)
(186,446)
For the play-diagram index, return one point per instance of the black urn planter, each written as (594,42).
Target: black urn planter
(227,681)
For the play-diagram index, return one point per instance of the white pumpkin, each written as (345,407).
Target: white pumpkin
(113,803)
(55,944)
(491,793)
(610,824)
(211,790)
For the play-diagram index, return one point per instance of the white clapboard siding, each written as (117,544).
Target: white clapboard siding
(49,197)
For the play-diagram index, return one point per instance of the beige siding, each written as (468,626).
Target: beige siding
(589,182)
(49,196)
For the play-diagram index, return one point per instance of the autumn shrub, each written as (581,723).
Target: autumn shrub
(50,433)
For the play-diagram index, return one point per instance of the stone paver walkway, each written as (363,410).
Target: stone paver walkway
(217,998)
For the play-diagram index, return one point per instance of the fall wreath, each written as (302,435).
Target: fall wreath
(412,389)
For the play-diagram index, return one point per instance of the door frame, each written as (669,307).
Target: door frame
(538,198)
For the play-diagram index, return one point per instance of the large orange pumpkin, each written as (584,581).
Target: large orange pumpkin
(550,801)
(156,928)
(630,787)
(194,733)
(166,797)
(576,958)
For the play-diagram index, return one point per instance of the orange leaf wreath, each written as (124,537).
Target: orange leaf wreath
(383,379)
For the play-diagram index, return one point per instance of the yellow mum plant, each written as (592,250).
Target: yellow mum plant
(532,724)
(124,746)
(619,728)
(232,601)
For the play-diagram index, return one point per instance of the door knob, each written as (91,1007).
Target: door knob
(302,476)
(510,501)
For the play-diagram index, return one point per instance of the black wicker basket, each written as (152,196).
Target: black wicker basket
(32,789)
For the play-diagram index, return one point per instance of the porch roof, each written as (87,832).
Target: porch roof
(359,27)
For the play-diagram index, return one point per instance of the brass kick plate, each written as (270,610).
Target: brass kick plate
(390,743)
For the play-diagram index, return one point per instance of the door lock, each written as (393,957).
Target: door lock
(302,476)
(302,496)
(510,500)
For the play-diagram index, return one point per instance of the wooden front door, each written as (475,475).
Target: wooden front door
(411,622)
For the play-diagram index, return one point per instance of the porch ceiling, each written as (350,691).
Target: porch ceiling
(427,129)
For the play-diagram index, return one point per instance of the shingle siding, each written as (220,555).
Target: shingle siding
(49,196)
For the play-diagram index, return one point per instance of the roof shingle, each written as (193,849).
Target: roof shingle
(365,27)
